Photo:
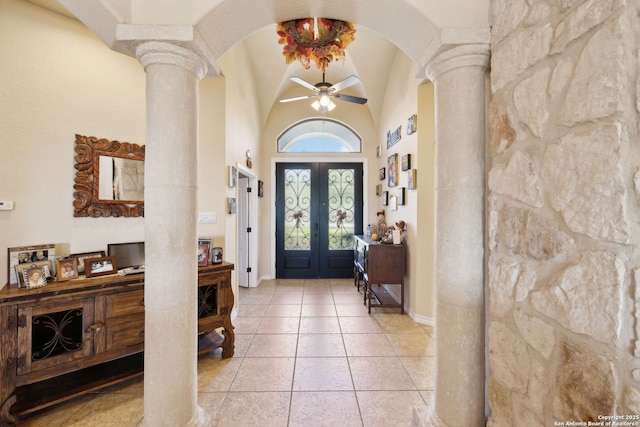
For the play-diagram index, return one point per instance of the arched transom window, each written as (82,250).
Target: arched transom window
(319,135)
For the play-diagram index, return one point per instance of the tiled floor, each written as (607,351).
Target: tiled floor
(306,354)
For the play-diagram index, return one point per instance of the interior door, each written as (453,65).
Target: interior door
(318,210)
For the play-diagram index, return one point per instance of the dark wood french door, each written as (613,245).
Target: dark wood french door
(318,210)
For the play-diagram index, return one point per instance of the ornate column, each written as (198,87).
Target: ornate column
(170,371)
(459,78)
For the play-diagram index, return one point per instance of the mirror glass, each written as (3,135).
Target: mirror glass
(109,178)
(121,179)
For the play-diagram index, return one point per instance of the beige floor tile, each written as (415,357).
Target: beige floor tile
(341,282)
(324,409)
(322,298)
(273,345)
(388,408)
(283,310)
(241,345)
(319,325)
(57,415)
(429,397)
(412,344)
(399,324)
(293,290)
(318,310)
(359,325)
(288,298)
(322,373)
(317,283)
(264,374)
(379,373)
(422,371)
(368,345)
(210,403)
(216,374)
(350,298)
(255,298)
(279,325)
(320,345)
(357,309)
(245,325)
(264,409)
(109,410)
(251,310)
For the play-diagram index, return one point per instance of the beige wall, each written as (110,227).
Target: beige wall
(58,79)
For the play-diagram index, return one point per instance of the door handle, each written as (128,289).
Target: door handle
(315,234)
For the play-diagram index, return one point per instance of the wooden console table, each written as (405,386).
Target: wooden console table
(71,338)
(378,263)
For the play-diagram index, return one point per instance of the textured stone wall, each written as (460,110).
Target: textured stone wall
(563,211)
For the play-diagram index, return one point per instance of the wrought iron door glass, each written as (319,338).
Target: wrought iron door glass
(297,209)
(341,204)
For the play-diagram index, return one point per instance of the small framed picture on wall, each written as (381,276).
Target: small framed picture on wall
(385,198)
(406,162)
(382,174)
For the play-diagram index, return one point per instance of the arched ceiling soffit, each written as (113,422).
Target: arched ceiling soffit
(411,25)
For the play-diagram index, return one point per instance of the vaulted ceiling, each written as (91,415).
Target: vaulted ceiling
(370,56)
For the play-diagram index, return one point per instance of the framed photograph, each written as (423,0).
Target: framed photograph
(412,180)
(379,190)
(84,255)
(393,203)
(203,254)
(394,137)
(406,162)
(401,199)
(67,268)
(27,254)
(100,266)
(202,240)
(20,271)
(385,198)
(392,166)
(232,205)
(378,151)
(412,124)
(34,276)
(260,188)
(382,173)
(233,176)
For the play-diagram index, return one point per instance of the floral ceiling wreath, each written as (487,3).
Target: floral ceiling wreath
(303,42)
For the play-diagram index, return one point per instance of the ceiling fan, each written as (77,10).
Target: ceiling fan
(324,91)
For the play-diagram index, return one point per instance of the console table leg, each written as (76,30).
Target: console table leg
(5,411)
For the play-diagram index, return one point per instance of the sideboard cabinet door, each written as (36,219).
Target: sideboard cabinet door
(52,335)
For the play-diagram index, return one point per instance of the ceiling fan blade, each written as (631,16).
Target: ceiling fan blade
(350,98)
(349,81)
(304,83)
(297,98)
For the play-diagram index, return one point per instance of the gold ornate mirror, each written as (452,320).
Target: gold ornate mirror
(109,178)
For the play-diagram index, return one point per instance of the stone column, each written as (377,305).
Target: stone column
(459,79)
(170,362)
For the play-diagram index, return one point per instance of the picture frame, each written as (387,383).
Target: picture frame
(203,254)
(405,162)
(379,190)
(100,266)
(26,254)
(401,196)
(260,188)
(378,151)
(382,173)
(208,241)
(394,137)
(84,255)
(385,198)
(392,167)
(34,276)
(393,203)
(232,205)
(67,269)
(20,273)
(412,179)
(233,176)
(412,124)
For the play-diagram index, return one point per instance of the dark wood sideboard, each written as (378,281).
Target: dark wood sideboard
(378,264)
(75,337)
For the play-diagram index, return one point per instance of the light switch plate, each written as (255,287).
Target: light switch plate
(6,206)
(207,217)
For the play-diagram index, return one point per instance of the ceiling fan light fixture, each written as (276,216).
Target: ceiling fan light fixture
(323,107)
